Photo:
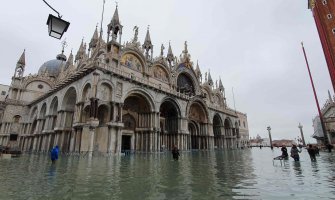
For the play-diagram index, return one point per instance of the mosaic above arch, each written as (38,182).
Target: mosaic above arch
(160,73)
(131,61)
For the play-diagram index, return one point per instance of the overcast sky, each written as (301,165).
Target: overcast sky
(254,46)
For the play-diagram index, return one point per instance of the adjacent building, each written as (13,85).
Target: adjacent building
(243,129)
(110,98)
(324,16)
(328,113)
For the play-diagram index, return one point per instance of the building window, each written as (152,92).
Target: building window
(40,86)
(324,2)
(329,16)
(244,124)
(3,92)
(239,123)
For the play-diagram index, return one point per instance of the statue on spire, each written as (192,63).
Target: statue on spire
(135,34)
(185,47)
(162,50)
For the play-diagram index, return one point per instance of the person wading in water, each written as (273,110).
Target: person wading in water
(175,153)
(54,154)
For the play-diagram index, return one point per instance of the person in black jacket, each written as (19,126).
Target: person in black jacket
(175,153)
(312,152)
(284,154)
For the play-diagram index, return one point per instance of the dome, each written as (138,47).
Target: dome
(53,67)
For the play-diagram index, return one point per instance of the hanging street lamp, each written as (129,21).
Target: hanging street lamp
(56,26)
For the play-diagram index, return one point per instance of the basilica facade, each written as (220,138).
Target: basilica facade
(111,98)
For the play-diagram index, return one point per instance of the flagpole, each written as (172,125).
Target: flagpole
(315,96)
(234,99)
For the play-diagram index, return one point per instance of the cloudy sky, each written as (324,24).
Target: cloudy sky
(254,46)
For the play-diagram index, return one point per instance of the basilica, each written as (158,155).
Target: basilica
(111,97)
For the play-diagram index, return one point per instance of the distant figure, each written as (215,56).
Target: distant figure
(175,153)
(260,146)
(295,153)
(311,151)
(317,150)
(54,154)
(271,147)
(284,153)
(329,147)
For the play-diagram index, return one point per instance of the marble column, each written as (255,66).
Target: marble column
(91,147)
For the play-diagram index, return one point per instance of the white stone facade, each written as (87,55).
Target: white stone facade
(328,113)
(115,98)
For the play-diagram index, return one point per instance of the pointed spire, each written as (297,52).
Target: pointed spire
(170,50)
(330,96)
(221,85)
(147,37)
(70,60)
(170,56)
(210,80)
(22,59)
(115,27)
(115,20)
(197,69)
(147,45)
(94,40)
(81,51)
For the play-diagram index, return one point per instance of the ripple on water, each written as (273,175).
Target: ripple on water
(237,174)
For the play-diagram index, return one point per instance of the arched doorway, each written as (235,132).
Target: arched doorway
(217,125)
(138,118)
(68,109)
(169,125)
(41,137)
(198,116)
(228,132)
(193,130)
(52,121)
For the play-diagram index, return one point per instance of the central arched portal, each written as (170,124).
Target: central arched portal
(169,125)
(137,117)
(198,127)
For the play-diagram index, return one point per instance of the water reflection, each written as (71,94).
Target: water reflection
(238,174)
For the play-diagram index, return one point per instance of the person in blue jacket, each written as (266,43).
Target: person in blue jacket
(54,154)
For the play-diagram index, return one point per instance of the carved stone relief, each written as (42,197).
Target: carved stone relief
(119,89)
(104,93)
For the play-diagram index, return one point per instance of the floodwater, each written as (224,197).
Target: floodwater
(234,174)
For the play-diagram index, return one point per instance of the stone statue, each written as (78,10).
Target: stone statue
(216,83)
(185,44)
(19,72)
(205,76)
(162,49)
(135,34)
